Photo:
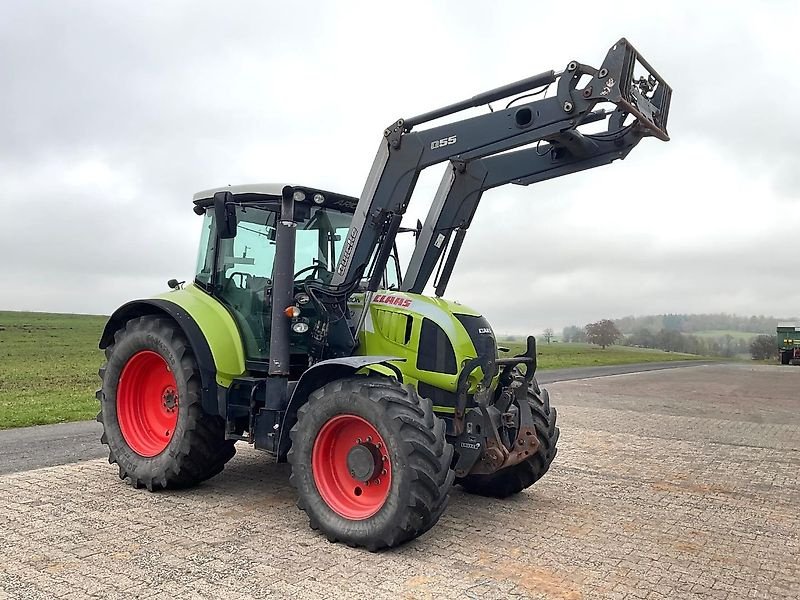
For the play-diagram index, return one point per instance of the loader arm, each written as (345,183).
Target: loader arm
(463,184)
(404,153)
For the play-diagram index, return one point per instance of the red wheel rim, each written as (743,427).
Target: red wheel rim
(147,403)
(348,496)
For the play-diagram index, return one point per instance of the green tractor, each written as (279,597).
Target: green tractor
(789,343)
(301,336)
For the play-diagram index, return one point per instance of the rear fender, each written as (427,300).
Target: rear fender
(190,328)
(322,373)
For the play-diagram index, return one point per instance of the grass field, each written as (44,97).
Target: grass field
(49,362)
(48,367)
(561,356)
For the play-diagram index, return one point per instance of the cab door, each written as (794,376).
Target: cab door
(243,277)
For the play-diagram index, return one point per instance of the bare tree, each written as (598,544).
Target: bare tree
(548,335)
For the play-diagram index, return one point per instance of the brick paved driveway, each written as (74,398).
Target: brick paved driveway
(669,484)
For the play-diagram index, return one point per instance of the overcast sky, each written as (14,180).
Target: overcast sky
(113,113)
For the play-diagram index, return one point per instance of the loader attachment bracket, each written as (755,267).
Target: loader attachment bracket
(626,79)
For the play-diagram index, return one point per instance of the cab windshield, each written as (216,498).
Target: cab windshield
(319,242)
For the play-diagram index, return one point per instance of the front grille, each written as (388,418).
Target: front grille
(482,336)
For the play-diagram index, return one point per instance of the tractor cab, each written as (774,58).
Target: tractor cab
(238,266)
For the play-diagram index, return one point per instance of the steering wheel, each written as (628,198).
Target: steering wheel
(313,268)
(244,278)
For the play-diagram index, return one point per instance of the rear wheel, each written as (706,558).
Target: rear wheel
(516,478)
(370,462)
(150,408)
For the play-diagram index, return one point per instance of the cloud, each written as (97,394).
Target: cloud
(114,113)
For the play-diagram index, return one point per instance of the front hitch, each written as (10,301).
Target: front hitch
(480,448)
(496,456)
(489,366)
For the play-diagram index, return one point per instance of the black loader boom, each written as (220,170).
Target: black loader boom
(463,185)
(624,79)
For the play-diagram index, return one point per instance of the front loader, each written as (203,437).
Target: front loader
(298,338)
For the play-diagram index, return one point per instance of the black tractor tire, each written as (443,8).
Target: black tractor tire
(512,480)
(197,448)
(786,358)
(413,443)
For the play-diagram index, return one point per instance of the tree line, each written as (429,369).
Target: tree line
(673,339)
(686,323)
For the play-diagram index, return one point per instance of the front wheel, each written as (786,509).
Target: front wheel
(516,478)
(370,462)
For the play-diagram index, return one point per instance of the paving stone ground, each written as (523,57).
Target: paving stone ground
(669,484)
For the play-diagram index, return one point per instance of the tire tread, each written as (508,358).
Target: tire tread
(203,451)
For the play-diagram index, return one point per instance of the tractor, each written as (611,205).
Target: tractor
(302,336)
(789,343)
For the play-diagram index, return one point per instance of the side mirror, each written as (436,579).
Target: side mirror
(225,215)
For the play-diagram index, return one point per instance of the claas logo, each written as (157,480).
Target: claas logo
(393,300)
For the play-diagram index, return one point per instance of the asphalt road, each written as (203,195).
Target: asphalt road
(28,448)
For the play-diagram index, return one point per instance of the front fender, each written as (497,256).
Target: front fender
(219,329)
(324,372)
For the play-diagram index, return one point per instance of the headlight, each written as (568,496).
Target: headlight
(300,327)
(302,298)
(319,198)
(299,196)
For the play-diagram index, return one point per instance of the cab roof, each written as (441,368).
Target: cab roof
(259,189)
(254,192)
